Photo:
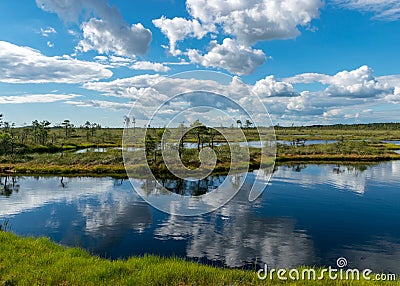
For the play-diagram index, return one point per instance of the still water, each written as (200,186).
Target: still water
(308,215)
(253,144)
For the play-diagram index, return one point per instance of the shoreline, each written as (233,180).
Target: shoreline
(7,169)
(338,158)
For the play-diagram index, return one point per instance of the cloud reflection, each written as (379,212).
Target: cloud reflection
(107,217)
(353,178)
(236,236)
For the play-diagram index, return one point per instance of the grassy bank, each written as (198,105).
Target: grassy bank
(39,149)
(111,162)
(337,158)
(29,261)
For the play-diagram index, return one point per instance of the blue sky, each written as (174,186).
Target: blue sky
(310,62)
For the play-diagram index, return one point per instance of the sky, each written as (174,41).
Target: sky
(308,61)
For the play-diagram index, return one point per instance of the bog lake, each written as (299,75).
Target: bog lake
(309,214)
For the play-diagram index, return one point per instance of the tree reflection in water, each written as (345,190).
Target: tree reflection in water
(8,185)
(188,187)
(192,188)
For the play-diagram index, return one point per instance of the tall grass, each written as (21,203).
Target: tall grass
(29,261)
(5,225)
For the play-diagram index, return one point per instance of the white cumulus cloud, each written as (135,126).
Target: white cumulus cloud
(177,29)
(270,87)
(106,32)
(235,58)
(256,20)
(347,96)
(243,23)
(26,65)
(122,40)
(358,83)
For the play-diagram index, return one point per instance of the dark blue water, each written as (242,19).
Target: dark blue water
(308,215)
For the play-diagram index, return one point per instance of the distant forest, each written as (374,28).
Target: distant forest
(365,126)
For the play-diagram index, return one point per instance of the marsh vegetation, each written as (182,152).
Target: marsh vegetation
(45,148)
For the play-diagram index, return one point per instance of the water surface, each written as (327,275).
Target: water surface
(309,214)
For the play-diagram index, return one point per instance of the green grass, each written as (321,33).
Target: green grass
(334,132)
(30,261)
(339,151)
(80,138)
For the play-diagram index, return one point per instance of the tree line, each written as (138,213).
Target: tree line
(40,133)
(360,126)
